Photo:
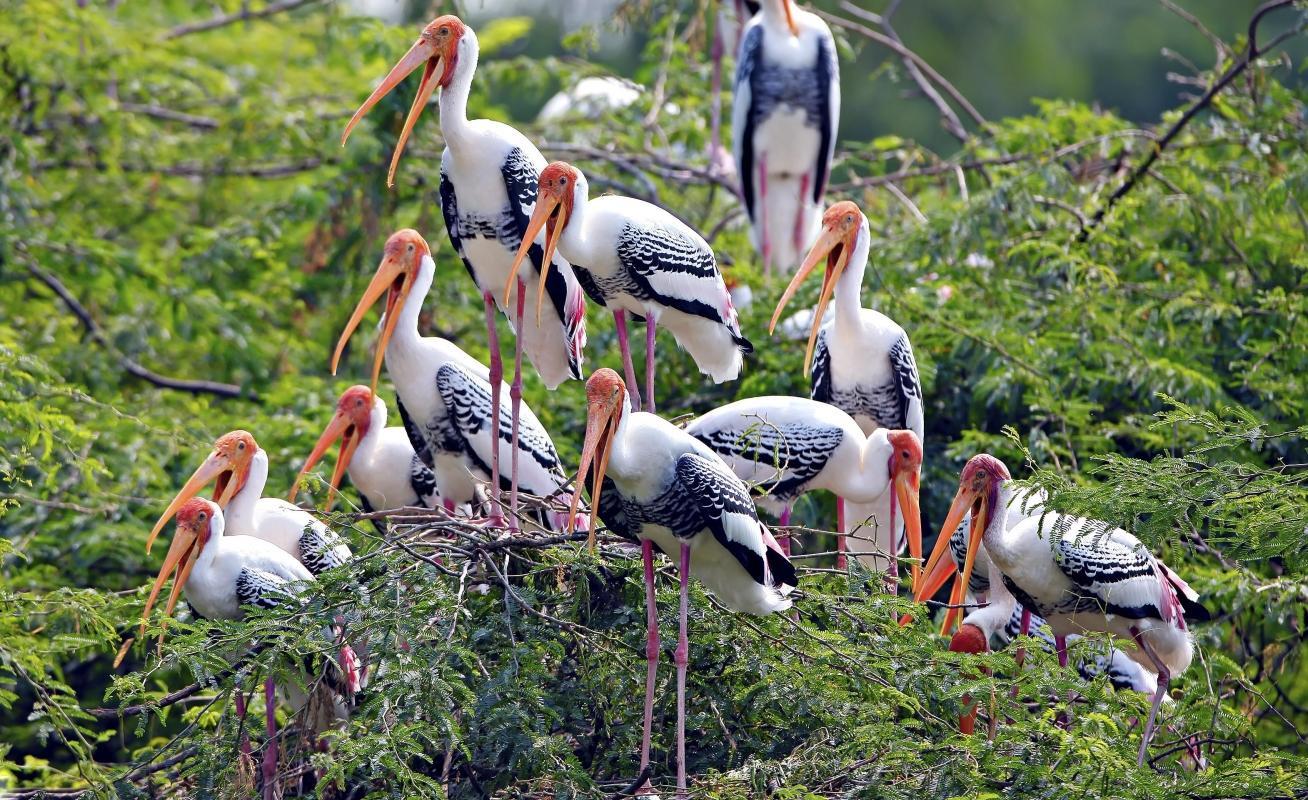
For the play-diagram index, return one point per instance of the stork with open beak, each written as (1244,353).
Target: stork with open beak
(1080,575)
(653,483)
(444,394)
(862,361)
(487,190)
(787,446)
(380,461)
(640,259)
(784,121)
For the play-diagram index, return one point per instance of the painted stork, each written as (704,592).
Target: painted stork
(238,468)
(1080,575)
(786,446)
(638,258)
(864,362)
(654,483)
(380,461)
(488,187)
(225,575)
(444,394)
(784,121)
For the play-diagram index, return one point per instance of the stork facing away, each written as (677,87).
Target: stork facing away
(787,446)
(632,256)
(1080,575)
(488,190)
(653,483)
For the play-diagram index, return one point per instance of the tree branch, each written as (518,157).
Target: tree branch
(948,118)
(227,19)
(171,115)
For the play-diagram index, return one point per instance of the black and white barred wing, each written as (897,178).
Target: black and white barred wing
(450,212)
(728,512)
(677,270)
(468,401)
(322,548)
(423,481)
(779,460)
(820,388)
(263,589)
(1112,571)
(908,388)
(748,60)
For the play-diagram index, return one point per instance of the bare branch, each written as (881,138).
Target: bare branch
(185,170)
(240,16)
(171,115)
(948,118)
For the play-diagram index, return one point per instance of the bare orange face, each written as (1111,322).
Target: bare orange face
(605,396)
(349,424)
(554,201)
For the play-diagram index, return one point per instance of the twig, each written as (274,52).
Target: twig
(1222,52)
(132,367)
(1242,63)
(171,115)
(948,119)
(185,170)
(630,789)
(227,19)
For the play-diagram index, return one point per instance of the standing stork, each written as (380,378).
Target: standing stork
(225,575)
(632,256)
(488,187)
(864,362)
(1080,575)
(238,468)
(654,483)
(381,461)
(786,446)
(784,121)
(444,394)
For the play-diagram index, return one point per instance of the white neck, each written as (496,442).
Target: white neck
(574,241)
(873,476)
(454,98)
(240,511)
(849,286)
(774,13)
(619,464)
(405,336)
(376,424)
(209,552)
(994,536)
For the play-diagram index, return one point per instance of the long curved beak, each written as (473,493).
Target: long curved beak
(601,425)
(341,427)
(963,501)
(543,216)
(213,469)
(393,281)
(906,491)
(421,54)
(182,553)
(790,17)
(836,249)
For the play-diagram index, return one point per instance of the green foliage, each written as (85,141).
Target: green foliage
(190,193)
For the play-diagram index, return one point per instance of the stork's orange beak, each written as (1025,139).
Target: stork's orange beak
(395,280)
(601,425)
(906,492)
(552,215)
(423,53)
(182,553)
(217,468)
(836,247)
(966,499)
(341,427)
(790,17)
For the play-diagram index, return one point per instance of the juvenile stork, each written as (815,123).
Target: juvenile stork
(654,483)
(784,121)
(225,575)
(632,256)
(444,394)
(864,362)
(487,189)
(238,468)
(1080,575)
(380,461)
(787,446)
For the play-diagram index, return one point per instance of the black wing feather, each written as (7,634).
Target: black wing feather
(820,376)
(751,52)
(826,73)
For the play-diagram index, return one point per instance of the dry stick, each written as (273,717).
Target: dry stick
(948,119)
(185,170)
(227,19)
(1242,63)
(132,367)
(171,115)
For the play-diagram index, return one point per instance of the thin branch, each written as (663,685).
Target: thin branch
(171,115)
(186,170)
(239,16)
(948,118)
(130,366)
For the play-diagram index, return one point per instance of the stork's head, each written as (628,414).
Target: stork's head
(437,51)
(349,424)
(227,467)
(906,476)
(606,400)
(969,639)
(401,260)
(198,520)
(842,224)
(559,186)
(978,492)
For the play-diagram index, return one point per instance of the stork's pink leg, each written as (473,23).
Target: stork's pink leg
(761,214)
(515,399)
(797,235)
(496,379)
(651,325)
(1060,647)
(840,533)
(784,541)
(240,715)
(628,369)
(1164,677)
(892,557)
(651,649)
(682,658)
(270,747)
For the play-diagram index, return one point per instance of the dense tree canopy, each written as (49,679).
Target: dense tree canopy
(182,238)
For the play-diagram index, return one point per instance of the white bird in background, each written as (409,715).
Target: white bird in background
(784,122)
(591,98)
(238,468)
(488,189)
(380,461)
(632,256)
(786,446)
(652,482)
(443,393)
(1080,575)
(864,363)
(225,575)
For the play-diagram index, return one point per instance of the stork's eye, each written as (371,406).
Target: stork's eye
(903,454)
(240,445)
(203,516)
(410,247)
(444,30)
